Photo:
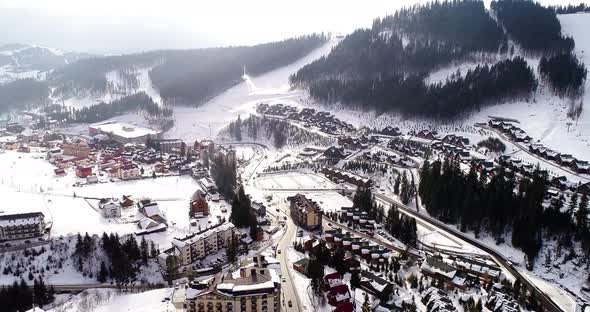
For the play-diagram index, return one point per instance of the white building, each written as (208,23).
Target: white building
(21,225)
(109,208)
(123,133)
(199,245)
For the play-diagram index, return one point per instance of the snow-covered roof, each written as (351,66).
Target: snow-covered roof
(21,219)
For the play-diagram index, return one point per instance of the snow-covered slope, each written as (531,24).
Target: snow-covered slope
(206,120)
(19,61)
(112,300)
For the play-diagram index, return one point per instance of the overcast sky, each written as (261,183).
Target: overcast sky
(123,26)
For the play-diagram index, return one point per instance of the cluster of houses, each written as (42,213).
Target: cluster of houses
(356,143)
(390,131)
(336,153)
(340,176)
(564,160)
(408,147)
(305,212)
(459,272)
(500,302)
(362,247)
(309,117)
(356,218)
(381,157)
(509,129)
(437,300)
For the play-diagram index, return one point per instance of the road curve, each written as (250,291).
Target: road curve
(546,302)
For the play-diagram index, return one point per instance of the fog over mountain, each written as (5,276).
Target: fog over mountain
(130,26)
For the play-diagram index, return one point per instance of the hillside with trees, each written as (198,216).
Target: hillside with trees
(565,74)
(383,68)
(23,93)
(536,28)
(183,76)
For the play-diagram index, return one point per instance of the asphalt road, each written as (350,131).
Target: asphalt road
(546,301)
(288,289)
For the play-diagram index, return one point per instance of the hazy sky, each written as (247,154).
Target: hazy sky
(122,26)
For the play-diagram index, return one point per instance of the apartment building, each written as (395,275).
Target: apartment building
(21,225)
(305,212)
(257,288)
(199,245)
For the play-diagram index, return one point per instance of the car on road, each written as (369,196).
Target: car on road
(279,251)
(290,304)
(329,224)
(285,218)
(284,280)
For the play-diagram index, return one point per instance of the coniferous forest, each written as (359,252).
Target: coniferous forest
(184,76)
(534,27)
(21,93)
(501,206)
(384,67)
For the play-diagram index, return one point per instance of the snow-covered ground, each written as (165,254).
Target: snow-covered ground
(206,120)
(293,181)
(29,180)
(103,300)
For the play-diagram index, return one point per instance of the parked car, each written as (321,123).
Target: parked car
(290,304)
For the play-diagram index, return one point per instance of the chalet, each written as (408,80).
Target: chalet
(456,140)
(109,208)
(14,127)
(520,136)
(338,176)
(427,134)
(338,295)
(375,285)
(258,209)
(301,266)
(495,123)
(580,166)
(335,153)
(437,300)
(437,269)
(391,131)
(148,225)
(483,270)
(565,159)
(344,307)
(27,136)
(151,210)
(198,206)
(500,302)
(305,212)
(128,172)
(331,280)
(83,171)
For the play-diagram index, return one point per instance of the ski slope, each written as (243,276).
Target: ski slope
(206,120)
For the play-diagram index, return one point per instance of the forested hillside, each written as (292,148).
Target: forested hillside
(384,68)
(184,76)
(22,93)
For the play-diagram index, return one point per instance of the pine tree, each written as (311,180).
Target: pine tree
(582,215)
(144,250)
(103,273)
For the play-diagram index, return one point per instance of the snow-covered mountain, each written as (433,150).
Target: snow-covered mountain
(19,60)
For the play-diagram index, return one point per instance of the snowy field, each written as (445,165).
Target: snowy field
(102,300)
(293,180)
(29,180)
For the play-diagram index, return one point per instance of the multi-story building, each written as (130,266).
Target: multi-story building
(199,245)
(305,212)
(128,172)
(169,146)
(21,225)
(257,288)
(80,150)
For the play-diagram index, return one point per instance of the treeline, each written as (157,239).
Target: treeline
(279,132)
(99,112)
(182,76)
(534,27)
(571,9)
(23,93)
(223,172)
(241,214)
(499,206)
(124,259)
(20,296)
(192,77)
(565,74)
(399,226)
(409,95)
(493,144)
